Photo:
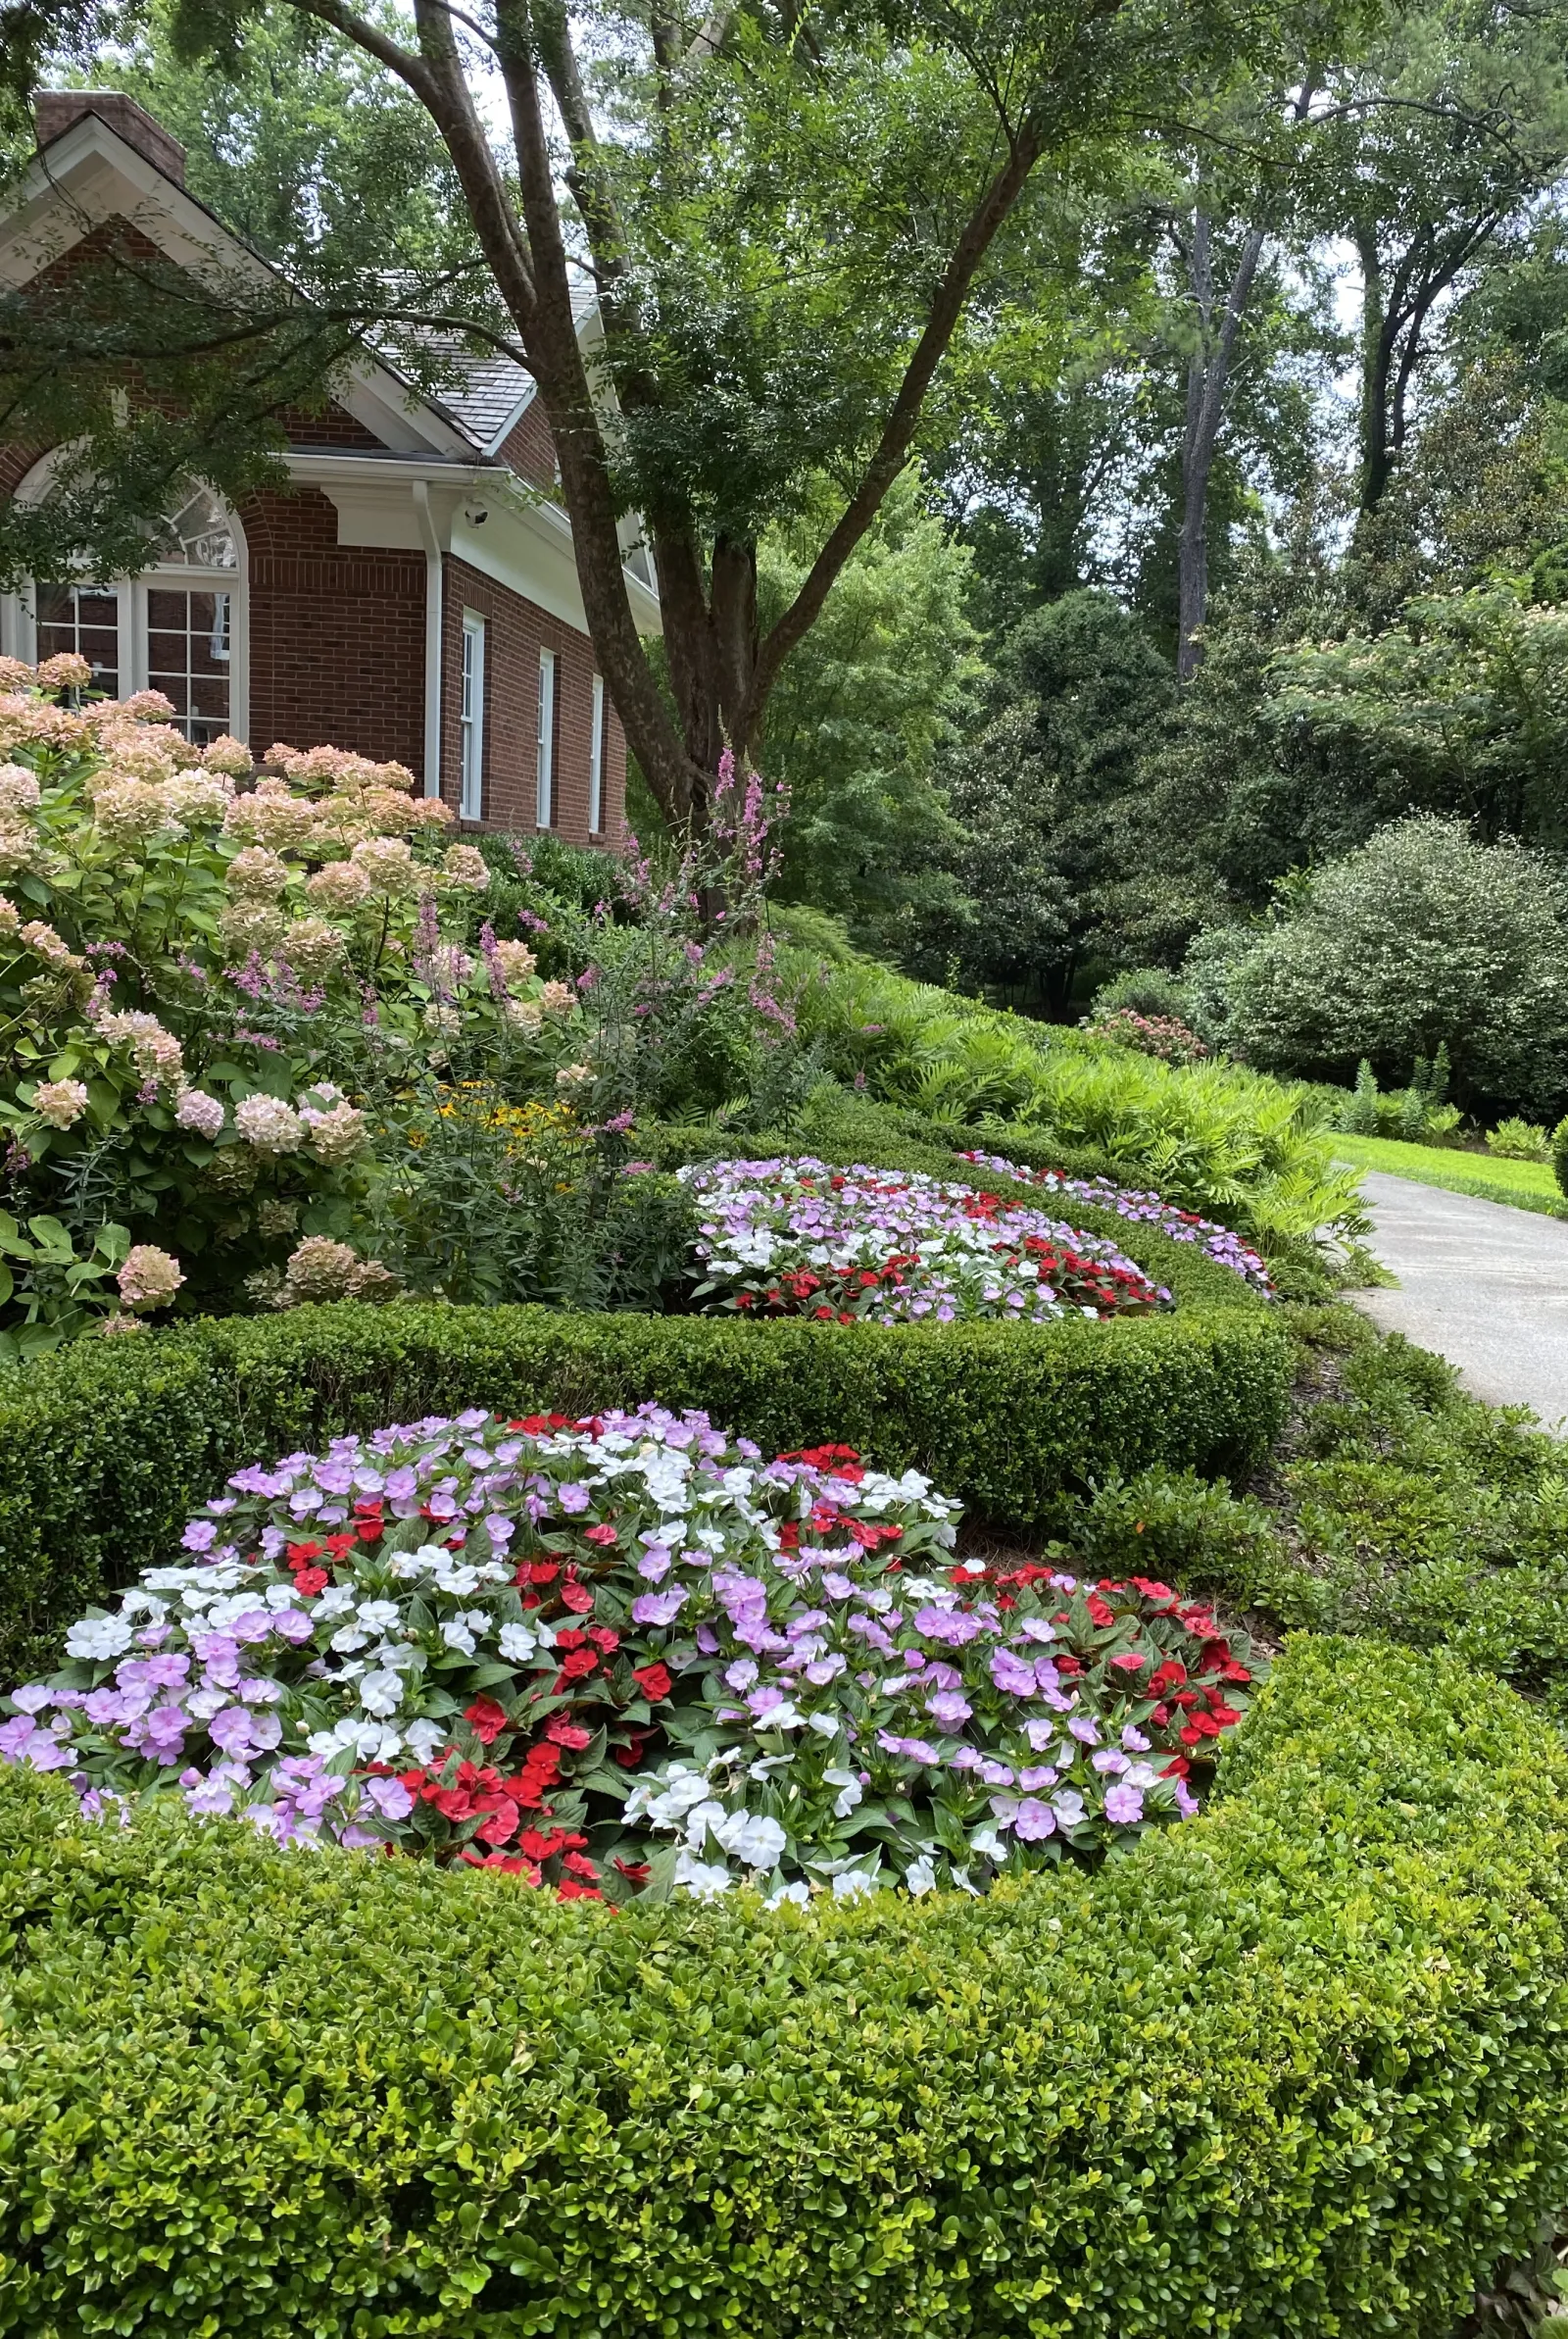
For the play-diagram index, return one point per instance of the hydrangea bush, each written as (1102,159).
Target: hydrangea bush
(1218,1243)
(206,967)
(627,1654)
(796,1237)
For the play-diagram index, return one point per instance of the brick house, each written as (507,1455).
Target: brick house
(403,598)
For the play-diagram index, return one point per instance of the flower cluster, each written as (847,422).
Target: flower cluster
(1218,1243)
(626,1653)
(796,1237)
(1164,1036)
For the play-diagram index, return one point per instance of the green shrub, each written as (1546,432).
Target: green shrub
(1559,1154)
(1420,936)
(109,1444)
(1298,2067)
(1147,990)
(1516,1140)
(1402,1508)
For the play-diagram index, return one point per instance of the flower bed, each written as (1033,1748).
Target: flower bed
(626,1653)
(1144,1209)
(797,1237)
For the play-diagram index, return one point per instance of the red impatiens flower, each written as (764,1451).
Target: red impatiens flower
(599,1534)
(1131,1660)
(500,1825)
(652,1680)
(578,1663)
(1099,1614)
(487,1719)
(311,1580)
(577,1597)
(562,1732)
(537,1571)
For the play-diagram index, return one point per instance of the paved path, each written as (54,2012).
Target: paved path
(1484,1284)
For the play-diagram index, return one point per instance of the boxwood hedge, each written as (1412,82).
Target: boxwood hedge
(109,1444)
(1297,2069)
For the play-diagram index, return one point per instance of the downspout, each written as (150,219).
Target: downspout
(432,638)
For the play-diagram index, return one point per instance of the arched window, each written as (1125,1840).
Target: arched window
(178,627)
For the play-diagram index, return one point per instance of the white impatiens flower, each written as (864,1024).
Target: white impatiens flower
(96,1639)
(425,1740)
(382,1692)
(920,1876)
(797,1892)
(850,1792)
(751,1839)
(853,1884)
(515,1643)
(703,1880)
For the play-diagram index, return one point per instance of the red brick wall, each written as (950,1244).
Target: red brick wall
(529,447)
(332,426)
(516,631)
(337,634)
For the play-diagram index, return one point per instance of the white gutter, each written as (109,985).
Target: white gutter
(432,638)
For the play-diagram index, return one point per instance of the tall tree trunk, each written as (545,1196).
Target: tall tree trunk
(1377,353)
(1208,372)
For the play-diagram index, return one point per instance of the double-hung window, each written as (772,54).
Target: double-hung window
(596,761)
(472,718)
(545,787)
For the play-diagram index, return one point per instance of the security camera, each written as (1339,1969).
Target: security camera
(475,514)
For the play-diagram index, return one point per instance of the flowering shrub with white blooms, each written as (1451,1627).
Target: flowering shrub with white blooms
(795,1237)
(627,1654)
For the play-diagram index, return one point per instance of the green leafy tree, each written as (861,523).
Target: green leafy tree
(1041,791)
(1462,707)
(784,217)
(1431,147)
(857,717)
(1422,938)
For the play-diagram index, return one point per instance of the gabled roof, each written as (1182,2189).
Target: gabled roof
(89,173)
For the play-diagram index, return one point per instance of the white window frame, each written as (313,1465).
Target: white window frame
(18,629)
(470,719)
(596,762)
(544,802)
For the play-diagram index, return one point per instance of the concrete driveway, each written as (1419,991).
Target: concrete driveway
(1485,1285)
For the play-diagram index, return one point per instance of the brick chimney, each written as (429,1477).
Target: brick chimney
(57,109)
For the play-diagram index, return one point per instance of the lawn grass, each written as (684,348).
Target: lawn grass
(1527,1185)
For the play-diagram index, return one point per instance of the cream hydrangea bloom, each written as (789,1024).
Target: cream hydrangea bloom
(149,1277)
(268,1124)
(61,1103)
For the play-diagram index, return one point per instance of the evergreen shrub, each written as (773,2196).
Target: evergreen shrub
(1296,2068)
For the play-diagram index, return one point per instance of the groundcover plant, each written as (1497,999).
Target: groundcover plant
(795,1237)
(627,1654)
(1144,1209)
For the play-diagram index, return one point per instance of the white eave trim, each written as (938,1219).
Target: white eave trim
(330,468)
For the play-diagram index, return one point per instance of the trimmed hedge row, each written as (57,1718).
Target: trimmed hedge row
(108,1445)
(1297,2069)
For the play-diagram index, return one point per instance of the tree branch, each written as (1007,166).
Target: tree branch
(898,433)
